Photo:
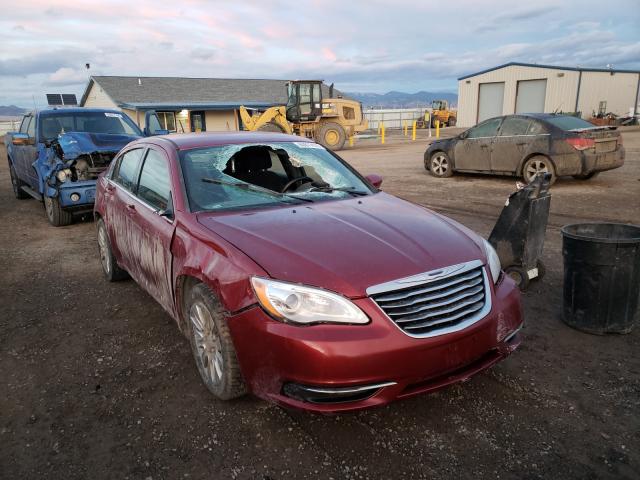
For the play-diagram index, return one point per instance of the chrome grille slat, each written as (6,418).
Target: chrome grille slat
(446,292)
(474,307)
(406,294)
(437,302)
(438,312)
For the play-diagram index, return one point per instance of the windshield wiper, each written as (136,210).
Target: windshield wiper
(252,187)
(329,188)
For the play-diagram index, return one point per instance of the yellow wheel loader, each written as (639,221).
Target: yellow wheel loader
(328,121)
(440,111)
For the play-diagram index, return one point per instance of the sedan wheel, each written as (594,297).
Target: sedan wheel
(440,165)
(212,346)
(538,165)
(110,267)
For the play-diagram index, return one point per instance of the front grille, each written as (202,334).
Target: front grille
(437,302)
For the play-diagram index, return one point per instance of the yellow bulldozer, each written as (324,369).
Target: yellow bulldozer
(440,111)
(328,121)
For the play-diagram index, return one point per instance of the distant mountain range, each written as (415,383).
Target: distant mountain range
(11,111)
(401,99)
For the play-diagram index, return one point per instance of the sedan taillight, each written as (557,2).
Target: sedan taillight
(581,143)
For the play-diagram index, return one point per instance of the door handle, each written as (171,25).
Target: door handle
(521,143)
(110,188)
(131,208)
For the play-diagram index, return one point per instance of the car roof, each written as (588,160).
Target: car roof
(188,141)
(53,111)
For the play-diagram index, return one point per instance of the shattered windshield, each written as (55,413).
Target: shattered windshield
(54,124)
(252,175)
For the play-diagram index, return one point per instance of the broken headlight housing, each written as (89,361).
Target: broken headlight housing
(292,303)
(63,175)
(493,260)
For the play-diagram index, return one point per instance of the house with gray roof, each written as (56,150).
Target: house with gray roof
(186,104)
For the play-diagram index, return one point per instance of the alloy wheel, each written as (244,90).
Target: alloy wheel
(535,168)
(103,246)
(207,340)
(439,165)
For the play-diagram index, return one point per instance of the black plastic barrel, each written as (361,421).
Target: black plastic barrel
(601,276)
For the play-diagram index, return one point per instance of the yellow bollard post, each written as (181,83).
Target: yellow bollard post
(437,128)
(351,141)
(413,132)
(382,137)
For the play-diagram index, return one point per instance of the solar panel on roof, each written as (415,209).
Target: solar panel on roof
(54,99)
(69,99)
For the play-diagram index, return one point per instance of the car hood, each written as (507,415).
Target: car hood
(347,245)
(74,144)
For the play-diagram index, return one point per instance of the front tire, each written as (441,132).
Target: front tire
(58,217)
(440,165)
(451,122)
(332,136)
(538,165)
(17,184)
(110,267)
(212,345)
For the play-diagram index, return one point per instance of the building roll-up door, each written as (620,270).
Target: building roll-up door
(490,100)
(530,96)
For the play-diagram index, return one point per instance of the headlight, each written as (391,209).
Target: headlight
(293,303)
(63,175)
(494,261)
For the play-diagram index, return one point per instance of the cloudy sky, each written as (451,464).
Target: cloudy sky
(362,46)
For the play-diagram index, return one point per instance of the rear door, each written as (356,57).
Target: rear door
(18,155)
(511,144)
(150,214)
(474,151)
(117,213)
(30,156)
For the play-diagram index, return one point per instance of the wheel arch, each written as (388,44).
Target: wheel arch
(440,150)
(184,283)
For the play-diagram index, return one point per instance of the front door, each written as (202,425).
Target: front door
(152,227)
(197,121)
(474,151)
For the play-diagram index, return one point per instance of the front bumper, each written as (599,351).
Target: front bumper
(85,191)
(276,358)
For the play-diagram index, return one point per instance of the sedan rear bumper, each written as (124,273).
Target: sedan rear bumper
(333,368)
(600,162)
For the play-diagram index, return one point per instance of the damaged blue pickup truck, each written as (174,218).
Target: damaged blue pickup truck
(58,153)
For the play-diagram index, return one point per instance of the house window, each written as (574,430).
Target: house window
(167,120)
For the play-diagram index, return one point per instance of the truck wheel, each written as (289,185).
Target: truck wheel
(451,122)
(536,165)
(212,345)
(109,265)
(440,165)
(331,135)
(17,184)
(56,215)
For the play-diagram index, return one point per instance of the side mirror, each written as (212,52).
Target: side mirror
(20,139)
(375,180)
(152,125)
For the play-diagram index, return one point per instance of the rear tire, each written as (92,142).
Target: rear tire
(110,267)
(212,345)
(17,184)
(537,165)
(587,176)
(451,122)
(440,165)
(331,135)
(58,217)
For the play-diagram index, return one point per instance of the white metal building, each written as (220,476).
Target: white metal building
(528,88)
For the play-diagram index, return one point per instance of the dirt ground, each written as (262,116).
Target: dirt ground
(97,382)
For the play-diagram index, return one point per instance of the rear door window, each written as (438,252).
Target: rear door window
(536,128)
(485,129)
(126,172)
(154,180)
(514,126)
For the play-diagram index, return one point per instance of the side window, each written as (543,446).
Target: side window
(514,126)
(485,129)
(31,129)
(126,172)
(154,180)
(25,124)
(536,128)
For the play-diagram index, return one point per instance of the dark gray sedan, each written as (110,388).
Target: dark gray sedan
(526,145)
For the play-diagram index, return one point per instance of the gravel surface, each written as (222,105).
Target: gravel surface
(97,381)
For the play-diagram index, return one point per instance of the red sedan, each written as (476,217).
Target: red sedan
(295,278)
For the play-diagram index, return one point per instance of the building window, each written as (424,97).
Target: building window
(167,120)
